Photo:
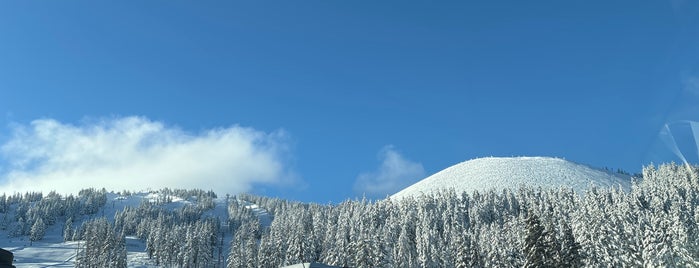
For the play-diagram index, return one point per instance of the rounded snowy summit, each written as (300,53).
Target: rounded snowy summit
(497,173)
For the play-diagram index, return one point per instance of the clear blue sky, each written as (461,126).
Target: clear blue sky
(352,84)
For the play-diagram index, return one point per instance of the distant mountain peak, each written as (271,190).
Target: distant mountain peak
(483,174)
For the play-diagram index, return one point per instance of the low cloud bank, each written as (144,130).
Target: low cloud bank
(136,153)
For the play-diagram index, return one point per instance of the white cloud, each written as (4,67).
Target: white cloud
(394,174)
(135,153)
(691,86)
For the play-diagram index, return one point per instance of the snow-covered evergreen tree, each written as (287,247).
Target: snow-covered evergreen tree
(38,230)
(570,249)
(536,247)
(68,229)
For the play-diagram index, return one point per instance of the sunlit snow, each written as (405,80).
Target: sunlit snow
(497,173)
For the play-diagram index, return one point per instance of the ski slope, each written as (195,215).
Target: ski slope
(51,251)
(496,173)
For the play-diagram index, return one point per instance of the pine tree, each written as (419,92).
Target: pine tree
(265,255)
(535,246)
(120,254)
(38,230)
(405,252)
(250,252)
(379,249)
(19,228)
(570,249)
(362,251)
(235,256)
(68,230)
(466,252)
(188,254)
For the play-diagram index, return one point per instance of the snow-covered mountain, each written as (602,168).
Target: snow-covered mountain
(497,173)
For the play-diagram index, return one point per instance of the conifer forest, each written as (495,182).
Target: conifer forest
(654,224)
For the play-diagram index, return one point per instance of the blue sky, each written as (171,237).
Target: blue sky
(333,99)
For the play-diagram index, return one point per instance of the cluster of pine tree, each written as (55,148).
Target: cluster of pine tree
(179,237)
(103,246)
(175,238)
(31,213)
(655,224)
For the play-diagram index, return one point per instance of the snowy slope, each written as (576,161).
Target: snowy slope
(484,174)
(51,251)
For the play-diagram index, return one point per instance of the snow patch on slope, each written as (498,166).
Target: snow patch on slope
(263,216)
(496,173)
